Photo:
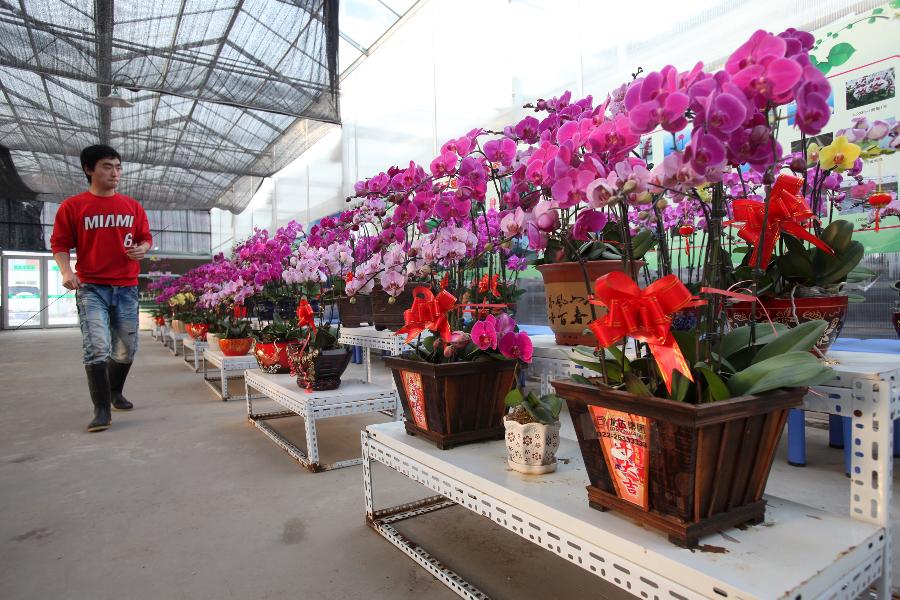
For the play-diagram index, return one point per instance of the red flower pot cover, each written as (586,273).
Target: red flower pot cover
(236,347)
(272,357)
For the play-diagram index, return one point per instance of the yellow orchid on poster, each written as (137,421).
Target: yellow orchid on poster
(839,154)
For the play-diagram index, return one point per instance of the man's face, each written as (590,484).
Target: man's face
(106,173)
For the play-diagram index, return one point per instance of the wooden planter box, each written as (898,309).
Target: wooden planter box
(390,316)
(692,469)
(356,314)
(455,403)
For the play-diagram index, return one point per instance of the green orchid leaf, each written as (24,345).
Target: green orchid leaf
(739,338)
(554,403)
(716,388)
(802,337)
(793,369)
(513,398)
(636,386)
(580,379)
(680,386)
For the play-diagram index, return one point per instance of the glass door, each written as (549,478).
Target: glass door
(23,291)
(60,302)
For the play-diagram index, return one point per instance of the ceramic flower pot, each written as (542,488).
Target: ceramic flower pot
(686,469)
(832,309)
(272,357)
(235,347)
(213,340)
(453,403)
(318,370)
(568,310)
(531,447)
(357,313)
(177,326)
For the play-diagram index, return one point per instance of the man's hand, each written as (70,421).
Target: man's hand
(70,281)
(138,252)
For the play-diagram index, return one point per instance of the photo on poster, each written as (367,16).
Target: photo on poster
(822,140)
(681,139)
(791,109)
(870,88)
(645,149)
(858,193)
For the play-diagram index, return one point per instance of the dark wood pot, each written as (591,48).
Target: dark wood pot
(390,316)
(318,370)
(689,469)
(455,403)
(568,310)
(829,308)
(272,356)
(356,314)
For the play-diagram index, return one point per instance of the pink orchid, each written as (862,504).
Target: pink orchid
(571,189)
(502,151)
(546,217)
(505,324)
(517,346)
(513,223)
(393,283)
(484,333)
(588,221)
(443,165)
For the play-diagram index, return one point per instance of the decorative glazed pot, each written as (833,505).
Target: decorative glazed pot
(357,313)
(235,347)
(318,370)
(686,469)
(272,357)
(198,331)
(568,310)
(832,309)
(177,326)
(531,447)
(453,403)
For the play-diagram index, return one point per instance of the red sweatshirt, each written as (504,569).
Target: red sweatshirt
(101,229)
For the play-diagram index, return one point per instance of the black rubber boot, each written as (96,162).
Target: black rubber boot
(98,384)
(117,374)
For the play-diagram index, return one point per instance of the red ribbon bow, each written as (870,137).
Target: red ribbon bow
(427,312)
(306,316)
(644,315)
(788,211)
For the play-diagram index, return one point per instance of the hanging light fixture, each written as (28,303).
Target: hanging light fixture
(114,100)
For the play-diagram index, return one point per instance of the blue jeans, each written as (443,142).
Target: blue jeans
(108,315)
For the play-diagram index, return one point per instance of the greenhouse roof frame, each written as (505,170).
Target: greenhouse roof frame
(224,92)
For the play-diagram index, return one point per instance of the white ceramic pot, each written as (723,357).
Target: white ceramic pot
(531,448)
(213,340)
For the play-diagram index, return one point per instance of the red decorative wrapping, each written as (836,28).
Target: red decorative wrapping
(644,315)
(428,312)
(306,316)
(788,213)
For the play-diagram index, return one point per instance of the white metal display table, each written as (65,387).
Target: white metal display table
(351,398)
(196,347)
(550,361)
(229,367)
(369,338)
(798,553)
(173,339)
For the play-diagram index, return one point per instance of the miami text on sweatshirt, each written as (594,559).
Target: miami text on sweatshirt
(101,229)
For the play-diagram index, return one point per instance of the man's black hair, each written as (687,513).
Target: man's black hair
(91,155)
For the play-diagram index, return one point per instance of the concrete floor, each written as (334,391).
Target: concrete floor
(182,498)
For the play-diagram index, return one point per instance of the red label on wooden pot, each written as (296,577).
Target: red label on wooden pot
(415,395)
(625,441)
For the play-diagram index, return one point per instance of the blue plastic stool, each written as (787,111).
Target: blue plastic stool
(357,355)
(840,435)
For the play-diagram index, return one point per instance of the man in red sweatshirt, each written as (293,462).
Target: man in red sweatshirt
(110,234)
